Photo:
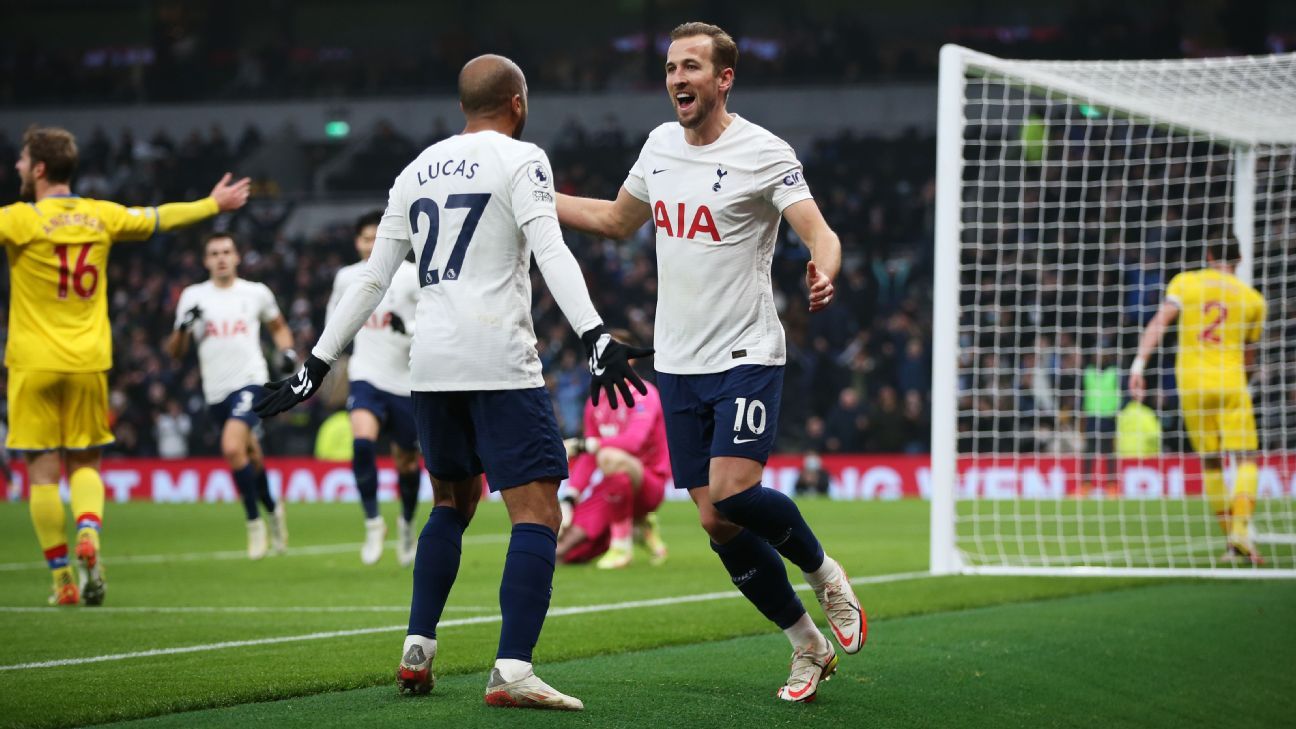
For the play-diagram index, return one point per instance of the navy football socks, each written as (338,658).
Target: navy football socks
(408,485)
(525,589)
(365,466)
(245,482)
(436,564)
(772,516)
(759,574)
(263,489)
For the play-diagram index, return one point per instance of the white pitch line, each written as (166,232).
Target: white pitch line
(238,609)
(239,554)
(477,620)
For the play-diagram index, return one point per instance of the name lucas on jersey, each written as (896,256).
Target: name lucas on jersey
(464,169)
(702,222)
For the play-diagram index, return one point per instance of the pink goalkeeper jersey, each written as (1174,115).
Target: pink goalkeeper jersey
(640,431)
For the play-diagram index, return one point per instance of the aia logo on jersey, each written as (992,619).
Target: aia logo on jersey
(227,328)
(700,222)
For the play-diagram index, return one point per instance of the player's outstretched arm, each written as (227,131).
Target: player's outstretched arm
(1148,343)
(616,219)
(226,196)
(356,306)
(825,250)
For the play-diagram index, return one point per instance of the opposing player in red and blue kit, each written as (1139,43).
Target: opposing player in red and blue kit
(716,187)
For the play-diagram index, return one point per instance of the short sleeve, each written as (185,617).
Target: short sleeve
(635,182)
(394,224)
(15,225)
(1177,291)
(269,308)
(127,224)
(779,177)
(532,189)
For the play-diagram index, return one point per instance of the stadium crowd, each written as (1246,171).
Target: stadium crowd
(858,374)
(272,54)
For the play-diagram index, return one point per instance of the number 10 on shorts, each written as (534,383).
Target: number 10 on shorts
(752,412)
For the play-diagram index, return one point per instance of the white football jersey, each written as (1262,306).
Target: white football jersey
(717,209)
(229,333)
(381,354)
(462,205)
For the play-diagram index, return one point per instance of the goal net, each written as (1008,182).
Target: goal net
(1069,195)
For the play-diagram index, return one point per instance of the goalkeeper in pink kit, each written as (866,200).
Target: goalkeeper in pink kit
(628,445)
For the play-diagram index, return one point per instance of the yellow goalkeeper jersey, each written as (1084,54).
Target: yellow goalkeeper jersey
(58,254)
(1219,316)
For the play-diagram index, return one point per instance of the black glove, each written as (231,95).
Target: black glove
(289,391)
(191,318)
(397,323)
(609,365)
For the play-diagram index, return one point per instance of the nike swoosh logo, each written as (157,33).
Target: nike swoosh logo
(299,387)
(662,170)
(740,441)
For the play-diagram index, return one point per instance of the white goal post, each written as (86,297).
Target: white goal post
(1068,195)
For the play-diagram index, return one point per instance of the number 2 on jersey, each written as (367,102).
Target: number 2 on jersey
(1210,333)
(475,204)
(78,276)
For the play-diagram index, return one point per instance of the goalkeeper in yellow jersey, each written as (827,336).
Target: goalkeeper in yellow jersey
(60,343)
(1222,320)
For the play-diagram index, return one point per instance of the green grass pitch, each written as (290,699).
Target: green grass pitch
(316,635)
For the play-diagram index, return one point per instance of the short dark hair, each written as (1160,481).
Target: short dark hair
(373,217)
(484,90)
(724,52)
(1225,249)
(56,148)
(218,235)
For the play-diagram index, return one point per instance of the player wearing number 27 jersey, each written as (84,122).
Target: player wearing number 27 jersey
(1220,318)
(475,208)
(60,343)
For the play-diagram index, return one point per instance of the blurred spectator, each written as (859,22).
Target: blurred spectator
(172,431)
(813,480)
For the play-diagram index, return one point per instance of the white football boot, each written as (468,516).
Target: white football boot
(406,542)
(279,529)
(258,544)
(845,616)
(414,674)
(375,534)
(528,692)
(809,668)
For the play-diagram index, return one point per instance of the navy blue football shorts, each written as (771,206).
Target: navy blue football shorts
(730,413)
(238,406)
(395,413)
(510,435)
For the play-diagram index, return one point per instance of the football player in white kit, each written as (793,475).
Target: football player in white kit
(475,207)
(716,187)
(224,315)
(380,395)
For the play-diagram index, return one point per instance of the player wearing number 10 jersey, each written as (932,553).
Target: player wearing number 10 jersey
(716,188)
(60,343)
(1222,318)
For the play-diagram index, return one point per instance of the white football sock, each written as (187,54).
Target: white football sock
(512,669)
(804,634)
(826,572)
